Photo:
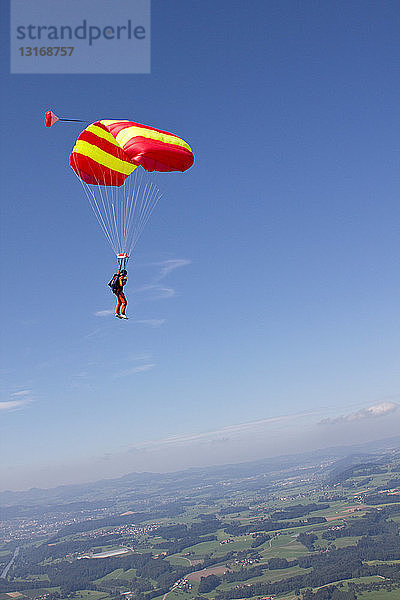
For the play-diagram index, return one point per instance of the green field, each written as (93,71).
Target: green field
(217,549)
(35,593)
(379,595)
(291,493)
(90,595)
(176,559)
(346,541)
(270,576)
(283,546)
(396,518)
(118,574)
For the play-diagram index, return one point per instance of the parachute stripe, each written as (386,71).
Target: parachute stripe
(103,144)
(104,158)
(103,133)
(125,135)
(160,156)
(108,122)
(90,171)
(116,126)
(122,130)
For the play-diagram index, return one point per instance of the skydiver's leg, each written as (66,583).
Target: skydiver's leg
(119,303)
(123,301)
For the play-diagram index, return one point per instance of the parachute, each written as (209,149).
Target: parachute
(50,118)
(113,161)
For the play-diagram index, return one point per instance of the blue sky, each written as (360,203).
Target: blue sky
(266,284)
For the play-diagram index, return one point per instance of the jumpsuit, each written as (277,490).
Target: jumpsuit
(121,300)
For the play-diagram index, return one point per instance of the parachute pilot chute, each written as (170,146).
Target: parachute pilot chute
(50,118)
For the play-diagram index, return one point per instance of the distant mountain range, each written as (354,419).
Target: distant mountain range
(141,488)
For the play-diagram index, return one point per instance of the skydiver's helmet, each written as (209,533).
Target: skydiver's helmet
(124,272)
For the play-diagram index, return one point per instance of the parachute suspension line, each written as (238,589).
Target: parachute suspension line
(130,198)
(135,208)
(103,213)
(124,214)
(116,225)
(108,205)
(94,206)
(144,199)
(101,192)
(104,216)
(148,201)
(146,185)
(116,200)
(113,210)
(123,211)
(129,205)
(152,198)
(141,213)
(109,200)
(120,201)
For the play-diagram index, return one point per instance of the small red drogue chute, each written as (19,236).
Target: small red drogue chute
(50,118)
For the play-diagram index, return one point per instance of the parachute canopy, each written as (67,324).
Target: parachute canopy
(105,159)
(50,118)
(107,152)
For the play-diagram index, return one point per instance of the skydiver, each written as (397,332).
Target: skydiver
(119,292)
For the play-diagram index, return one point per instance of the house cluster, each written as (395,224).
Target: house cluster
(246,561)
(228,541)
(261,598)
(183,584)
(25,529)
(131,529)
(337,527)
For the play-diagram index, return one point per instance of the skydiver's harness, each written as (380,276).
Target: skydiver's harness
(114,283)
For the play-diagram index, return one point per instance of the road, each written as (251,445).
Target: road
(8,566)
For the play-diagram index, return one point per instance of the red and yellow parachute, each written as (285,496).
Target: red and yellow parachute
(107,152)
(105,159)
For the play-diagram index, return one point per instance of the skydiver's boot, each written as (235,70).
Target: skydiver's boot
(118,315)
(123,317)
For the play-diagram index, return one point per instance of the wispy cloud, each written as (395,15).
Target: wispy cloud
(134,370)
(91,334)
(136,364)
(103,313)
(225,433)
(156,291)
(151,322)
(81,374)
(167,266)
(17,401)
(372,412)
